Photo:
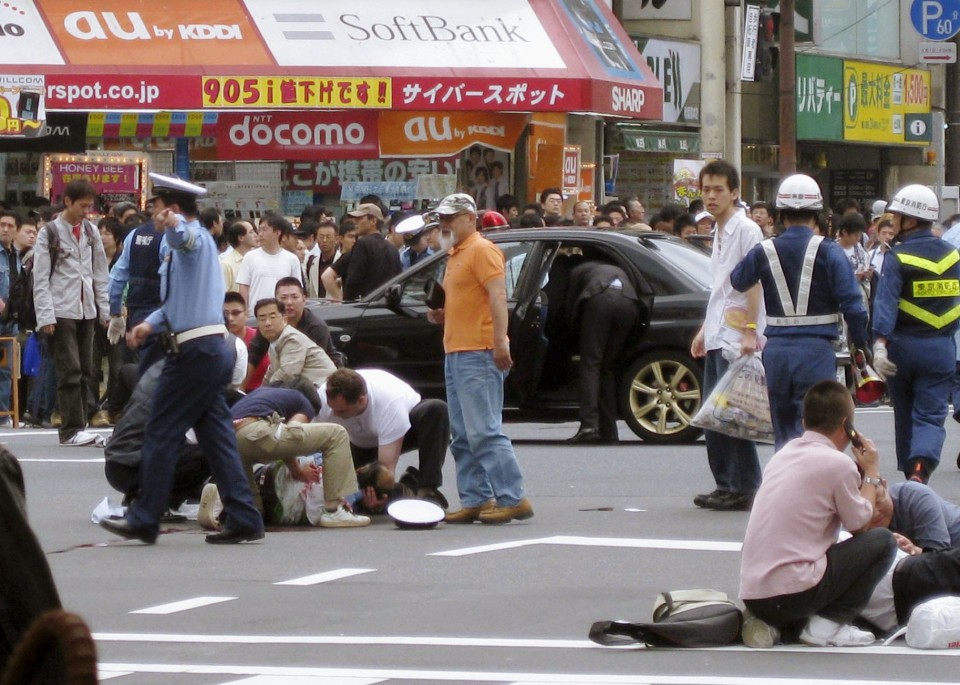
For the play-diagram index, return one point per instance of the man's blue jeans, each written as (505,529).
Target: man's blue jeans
(734,462)
(487,467)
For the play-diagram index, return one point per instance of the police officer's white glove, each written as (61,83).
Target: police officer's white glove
(881,363)
(116,329)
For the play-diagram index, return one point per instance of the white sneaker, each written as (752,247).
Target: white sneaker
(758,634)
(342,518)
(208,515)
(822,632)
(84,439)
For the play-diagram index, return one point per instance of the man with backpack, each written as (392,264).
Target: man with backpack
(70,295)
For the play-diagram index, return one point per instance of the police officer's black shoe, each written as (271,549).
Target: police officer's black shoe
(232,537)
(125,529)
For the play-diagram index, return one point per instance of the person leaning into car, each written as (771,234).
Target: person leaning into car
(603,305)
(474,318)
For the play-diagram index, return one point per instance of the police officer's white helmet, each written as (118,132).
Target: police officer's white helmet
(917,201)
(799,192)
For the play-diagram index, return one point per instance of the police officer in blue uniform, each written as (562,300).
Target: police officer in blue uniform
(138,267)
(807,282)
(190,391)
(915,316)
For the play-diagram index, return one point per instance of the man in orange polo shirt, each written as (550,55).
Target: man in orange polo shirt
(475,339)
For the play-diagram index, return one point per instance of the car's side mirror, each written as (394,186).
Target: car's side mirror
(394,295)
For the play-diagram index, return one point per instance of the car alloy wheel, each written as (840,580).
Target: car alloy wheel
(660,394)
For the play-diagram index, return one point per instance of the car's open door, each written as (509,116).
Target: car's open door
(529,306)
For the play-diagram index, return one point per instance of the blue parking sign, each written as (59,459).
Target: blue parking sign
(936,19)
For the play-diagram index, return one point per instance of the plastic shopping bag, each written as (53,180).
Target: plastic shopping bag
(739,405)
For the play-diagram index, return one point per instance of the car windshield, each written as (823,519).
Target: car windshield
(686,258)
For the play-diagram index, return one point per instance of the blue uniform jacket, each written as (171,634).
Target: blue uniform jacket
(834,287)
(191,280)
(886,306)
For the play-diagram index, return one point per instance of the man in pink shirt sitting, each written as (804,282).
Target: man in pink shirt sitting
(794,575)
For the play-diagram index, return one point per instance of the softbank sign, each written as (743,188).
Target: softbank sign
(500,34)
(297,135)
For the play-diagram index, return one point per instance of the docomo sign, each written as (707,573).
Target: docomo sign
(297,135)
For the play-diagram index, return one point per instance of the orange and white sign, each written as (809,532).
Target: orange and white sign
(440,134)
(570,184)
(198,33)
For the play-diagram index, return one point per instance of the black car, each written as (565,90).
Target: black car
(659,383)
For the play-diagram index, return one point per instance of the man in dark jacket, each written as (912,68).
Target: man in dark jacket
(603,305)
(292,295)
(122,453)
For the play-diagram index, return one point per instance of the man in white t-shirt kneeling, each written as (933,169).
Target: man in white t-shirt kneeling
(385,417)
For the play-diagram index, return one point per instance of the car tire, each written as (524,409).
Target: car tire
(660,392)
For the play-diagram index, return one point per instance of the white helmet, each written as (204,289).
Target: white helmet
(917,201)
(799,192)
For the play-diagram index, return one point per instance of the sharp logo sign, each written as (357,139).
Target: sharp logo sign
(88,25)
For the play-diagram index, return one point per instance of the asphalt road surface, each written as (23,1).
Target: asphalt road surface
(464,604)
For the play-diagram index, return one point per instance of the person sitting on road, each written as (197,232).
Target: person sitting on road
(292,354)
(793,572)
(918,513)
(274,423)
(385,417)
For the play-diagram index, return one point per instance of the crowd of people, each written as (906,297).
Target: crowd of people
(167,298)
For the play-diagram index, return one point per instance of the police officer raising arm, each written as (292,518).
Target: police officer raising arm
(915,316)
(190,324)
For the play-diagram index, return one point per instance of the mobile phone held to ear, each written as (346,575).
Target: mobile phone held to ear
(853,435)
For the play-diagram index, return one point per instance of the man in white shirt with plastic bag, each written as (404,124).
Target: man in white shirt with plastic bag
(730,329)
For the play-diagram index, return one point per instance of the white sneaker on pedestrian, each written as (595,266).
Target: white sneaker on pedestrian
(342,518)
(822,632)
(84,439)
(758,634)
(208,515)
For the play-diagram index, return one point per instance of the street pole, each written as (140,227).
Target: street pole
(788,91)
(951,155)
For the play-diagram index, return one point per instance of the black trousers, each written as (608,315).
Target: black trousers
(73,359)
(606,321)
(189,477)
(854,567)
(917,579)
(429,433)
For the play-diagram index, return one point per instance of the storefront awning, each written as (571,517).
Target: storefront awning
(427,55)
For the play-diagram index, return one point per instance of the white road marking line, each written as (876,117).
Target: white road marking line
(350,640)
(378,675)
(583,541)
(109,675)
(94,460)
(318,578)
(304,680)
(511,643)
(183,605)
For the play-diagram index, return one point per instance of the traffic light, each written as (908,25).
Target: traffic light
(768,51)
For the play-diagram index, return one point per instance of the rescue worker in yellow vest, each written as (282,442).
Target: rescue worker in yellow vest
(916,313)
